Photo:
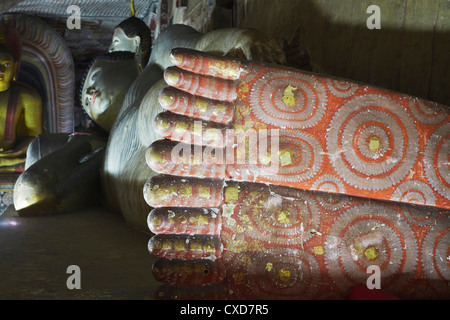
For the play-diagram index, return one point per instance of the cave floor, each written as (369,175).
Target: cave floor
(35,254)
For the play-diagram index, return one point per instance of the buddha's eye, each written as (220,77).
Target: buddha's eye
(6,65)
(94,75)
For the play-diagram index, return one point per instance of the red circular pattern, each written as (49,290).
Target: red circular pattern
(308,102)
(355,160)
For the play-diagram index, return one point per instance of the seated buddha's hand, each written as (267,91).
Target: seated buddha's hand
(264,123)
(19,150)
(259,241)
(13,160)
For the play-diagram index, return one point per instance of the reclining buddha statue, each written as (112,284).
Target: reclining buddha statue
(114,92)
(350,164)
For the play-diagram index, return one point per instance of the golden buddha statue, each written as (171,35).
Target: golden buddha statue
(20,113)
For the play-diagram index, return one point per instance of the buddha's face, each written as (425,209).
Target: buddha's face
(121,42)
(105,87)
(7,70)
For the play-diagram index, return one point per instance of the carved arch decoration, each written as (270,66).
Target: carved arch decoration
(46,63)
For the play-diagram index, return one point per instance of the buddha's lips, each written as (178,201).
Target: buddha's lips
(94,97)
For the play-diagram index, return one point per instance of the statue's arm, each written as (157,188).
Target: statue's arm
(32,113)
(32,108)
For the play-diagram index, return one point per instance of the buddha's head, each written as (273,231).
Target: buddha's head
(133,35)
(105,85)
(8,67)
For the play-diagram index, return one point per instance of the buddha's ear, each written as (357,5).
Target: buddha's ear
(16,70)
(137,42)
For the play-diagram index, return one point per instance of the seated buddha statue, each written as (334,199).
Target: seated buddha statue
(73,182)
(20,115)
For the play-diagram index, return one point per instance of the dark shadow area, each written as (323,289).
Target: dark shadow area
(398,56)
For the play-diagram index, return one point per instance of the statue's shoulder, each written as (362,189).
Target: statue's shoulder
(25,90)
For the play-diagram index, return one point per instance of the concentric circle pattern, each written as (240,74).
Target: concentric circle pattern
(372,142)
(437,160)
(341,89)
(277,220)
(414,191)
(299,156)
(329,183)
(332,202)
(332,196)
(421,216)
(436,255)
(427,112)
(278,274)
(288,100)
(370,235)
